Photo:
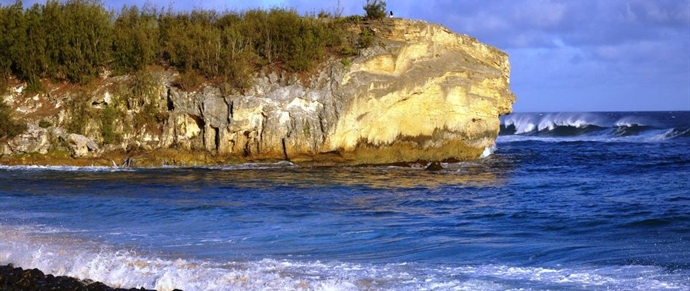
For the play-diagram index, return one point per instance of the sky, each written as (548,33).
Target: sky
(566,55)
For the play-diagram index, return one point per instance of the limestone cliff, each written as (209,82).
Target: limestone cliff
(421,92)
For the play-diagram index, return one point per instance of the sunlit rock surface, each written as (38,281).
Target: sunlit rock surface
(420,93)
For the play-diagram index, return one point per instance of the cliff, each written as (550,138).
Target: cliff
(421,92)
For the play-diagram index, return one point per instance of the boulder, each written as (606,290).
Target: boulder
(33,140)
(81,146)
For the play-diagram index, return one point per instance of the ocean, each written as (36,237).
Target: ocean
(565,201)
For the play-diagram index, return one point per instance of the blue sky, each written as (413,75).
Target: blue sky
(566,55)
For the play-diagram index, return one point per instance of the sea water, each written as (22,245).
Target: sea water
(565,201)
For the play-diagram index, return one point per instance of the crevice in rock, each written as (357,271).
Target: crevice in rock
(246,151)
(216,132)
(285,155)
(171,105)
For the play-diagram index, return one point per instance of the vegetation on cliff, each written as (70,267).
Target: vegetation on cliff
(8,126)
(79,40)
(375,9)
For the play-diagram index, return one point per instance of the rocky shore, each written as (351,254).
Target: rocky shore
(15,278)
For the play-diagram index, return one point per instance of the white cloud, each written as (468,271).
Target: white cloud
(540,13)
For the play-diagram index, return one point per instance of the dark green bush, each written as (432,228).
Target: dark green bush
(8,126)
(108,117)
(44,123)
(366,38)
(86,40)
(77,40)
(80,111)
(135,40)
(188,80)
(375,9)
(68,40)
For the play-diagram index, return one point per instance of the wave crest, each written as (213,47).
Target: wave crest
(59,254)
(650,126)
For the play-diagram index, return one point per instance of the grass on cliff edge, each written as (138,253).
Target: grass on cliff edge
(78,41)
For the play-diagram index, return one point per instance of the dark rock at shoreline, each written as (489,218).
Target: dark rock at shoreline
(13,278)
(434,166)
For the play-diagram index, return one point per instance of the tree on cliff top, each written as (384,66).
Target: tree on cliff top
(375,9)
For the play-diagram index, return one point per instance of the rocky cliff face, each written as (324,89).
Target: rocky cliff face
(421,92)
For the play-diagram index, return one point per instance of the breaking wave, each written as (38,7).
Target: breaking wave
(606,126)
(60,254)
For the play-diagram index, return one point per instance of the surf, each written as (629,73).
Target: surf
(595,126)
(63,255)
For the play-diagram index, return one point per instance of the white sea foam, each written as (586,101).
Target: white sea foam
(630,121)
(64,168)
(488,151)
(94,169)
(30,247)
(253,166)
(527,123)
(613,127)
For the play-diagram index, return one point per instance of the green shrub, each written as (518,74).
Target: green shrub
(345,62)
(9,17)
(375,9)
(44,123)
(366,38)
(86,40)
(354,19)
(80,112)
(142,87)
(67,40)
(135,40)
(76,40)
(8,126)
(108,117)
(188,80)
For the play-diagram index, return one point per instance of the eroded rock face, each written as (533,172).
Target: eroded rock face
(421,92)
(33,140)
(430,94)
(80,146)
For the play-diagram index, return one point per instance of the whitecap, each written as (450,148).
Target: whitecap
(488,151)
(61,254)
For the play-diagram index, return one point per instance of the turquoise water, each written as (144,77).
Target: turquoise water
(570,201)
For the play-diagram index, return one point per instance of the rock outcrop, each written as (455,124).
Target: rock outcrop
(33,140)
(80,146)
(421,92)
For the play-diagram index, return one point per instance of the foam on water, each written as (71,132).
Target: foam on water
(596,126)
(650,136)
(48,250)
(64,168)
(99,169)
(488,151)
(526,123)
